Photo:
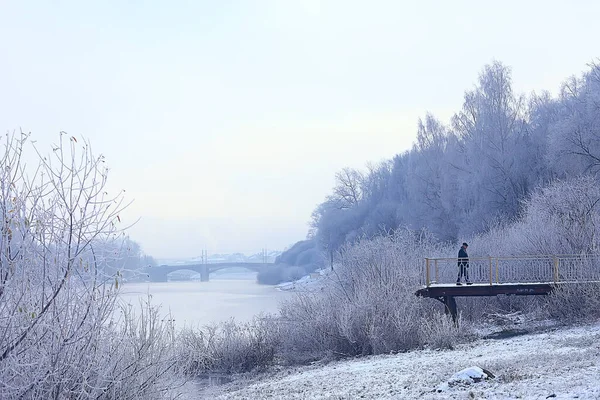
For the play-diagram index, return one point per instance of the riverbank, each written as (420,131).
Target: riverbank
(558,363)
(314,281)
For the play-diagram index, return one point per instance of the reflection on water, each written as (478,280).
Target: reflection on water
(195,303)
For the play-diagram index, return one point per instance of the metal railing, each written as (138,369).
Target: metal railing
(516,269)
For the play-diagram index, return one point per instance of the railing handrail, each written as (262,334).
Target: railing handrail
(532,256)
(497,268)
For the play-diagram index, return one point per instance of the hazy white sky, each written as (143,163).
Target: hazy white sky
(226,120)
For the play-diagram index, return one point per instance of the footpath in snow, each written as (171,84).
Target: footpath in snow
(554,364)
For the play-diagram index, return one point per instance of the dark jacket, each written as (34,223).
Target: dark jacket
(463,258)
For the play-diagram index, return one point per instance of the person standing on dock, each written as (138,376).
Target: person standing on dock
(463,264)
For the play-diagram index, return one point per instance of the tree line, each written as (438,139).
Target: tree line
(462,178)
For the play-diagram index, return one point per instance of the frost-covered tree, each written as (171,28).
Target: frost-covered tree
(60,331)
(380,208)
(491,128)
(534,155)
(427,178)
(347,192)
(575,134)
(341,216)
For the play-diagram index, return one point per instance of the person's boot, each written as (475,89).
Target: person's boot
(469,283)
(458,283)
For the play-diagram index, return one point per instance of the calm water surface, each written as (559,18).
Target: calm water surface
(195,303)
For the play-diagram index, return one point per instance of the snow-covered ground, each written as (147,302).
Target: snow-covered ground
(553,364)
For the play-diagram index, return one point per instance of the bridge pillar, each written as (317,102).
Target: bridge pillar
(204,273)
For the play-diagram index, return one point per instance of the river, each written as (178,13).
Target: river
(194,303)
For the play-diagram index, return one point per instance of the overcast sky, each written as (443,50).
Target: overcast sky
(225,121)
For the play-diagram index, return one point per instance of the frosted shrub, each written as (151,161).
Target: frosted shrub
(58,335)
(369,307)
(563,218)
(229,347)
(440,332)
(139,353)
(574,302)
(307,330)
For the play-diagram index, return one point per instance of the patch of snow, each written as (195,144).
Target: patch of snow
(465,377)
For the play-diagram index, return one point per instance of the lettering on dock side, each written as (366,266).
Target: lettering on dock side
(525,290)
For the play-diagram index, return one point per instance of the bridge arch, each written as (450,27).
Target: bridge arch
(160,273)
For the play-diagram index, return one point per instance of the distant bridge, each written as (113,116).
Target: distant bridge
(514,275)
(160,273)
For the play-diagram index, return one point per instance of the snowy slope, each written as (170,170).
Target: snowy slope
(556,364)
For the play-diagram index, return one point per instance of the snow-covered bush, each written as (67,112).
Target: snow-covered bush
(369,306)
(440,332)
(229,347)
(574,302)
(60,335)
(562,218)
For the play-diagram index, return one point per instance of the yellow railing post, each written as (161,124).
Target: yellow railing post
(497,278)
(555,269)
(427,272)
(437,275)
(491,281)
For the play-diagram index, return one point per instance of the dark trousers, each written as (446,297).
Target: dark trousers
(463,270)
